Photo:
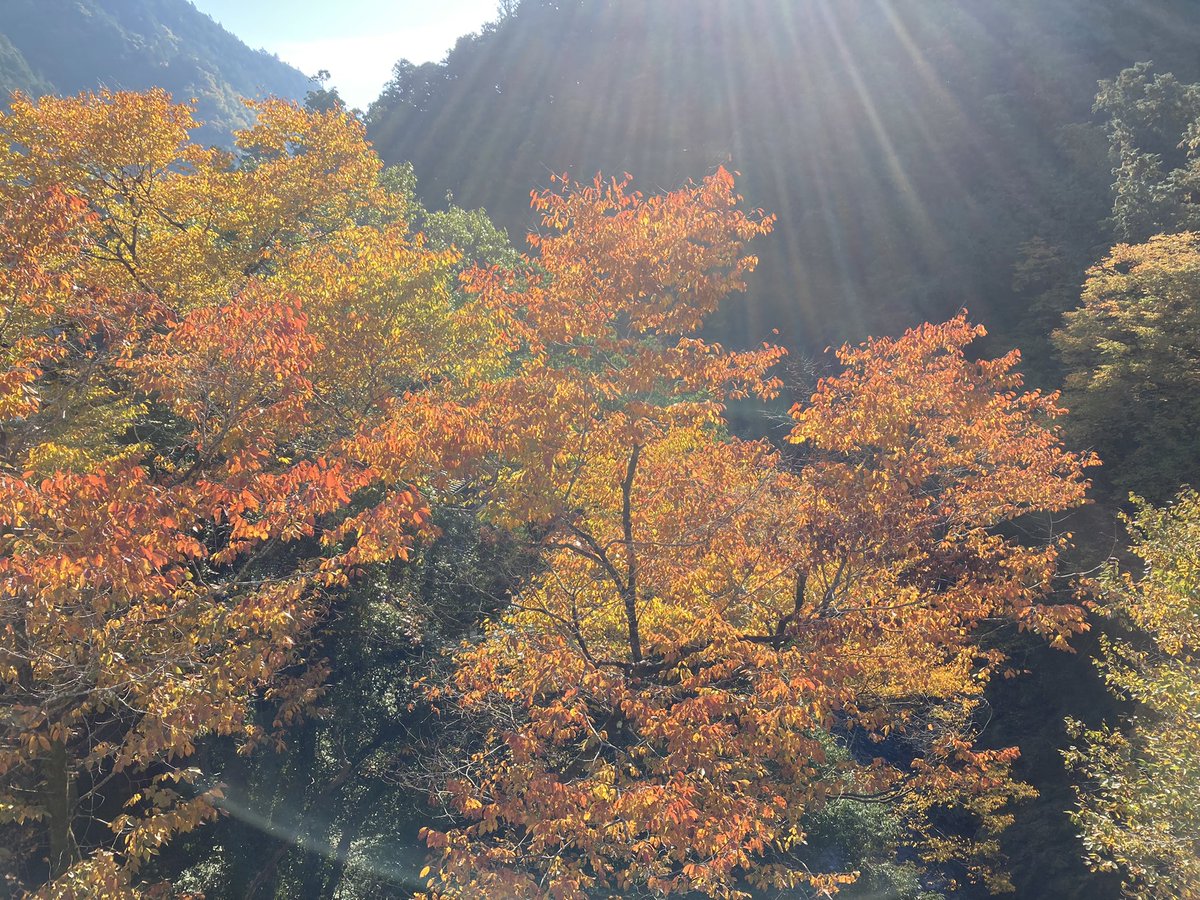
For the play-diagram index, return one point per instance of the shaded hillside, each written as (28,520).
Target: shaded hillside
(66,46)
(15,73)
(910,147)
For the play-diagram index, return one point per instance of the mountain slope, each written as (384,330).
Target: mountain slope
(66,46)
(910,147)
(15,74)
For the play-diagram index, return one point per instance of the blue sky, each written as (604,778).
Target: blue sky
(358,41)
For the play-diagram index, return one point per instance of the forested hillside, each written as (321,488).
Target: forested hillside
(911,149)
(67,46)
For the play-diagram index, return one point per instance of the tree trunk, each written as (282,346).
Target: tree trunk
(58,790)
(630,592)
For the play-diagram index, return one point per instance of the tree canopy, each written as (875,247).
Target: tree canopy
(1137,799)
(1132,350)
(216,373)
(719,636)
(236,382)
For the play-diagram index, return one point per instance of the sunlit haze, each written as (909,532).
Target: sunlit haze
(358,41)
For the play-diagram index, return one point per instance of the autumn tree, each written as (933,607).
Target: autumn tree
(723,644)
(329,813)
(1132,351)
(1137,785)
(220,400)
(1129,350)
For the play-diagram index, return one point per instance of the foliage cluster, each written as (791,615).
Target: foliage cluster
(217,374)
(1137,789)
(1131,358)
(235,383)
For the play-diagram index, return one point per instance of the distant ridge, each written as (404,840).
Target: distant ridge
(67,46)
